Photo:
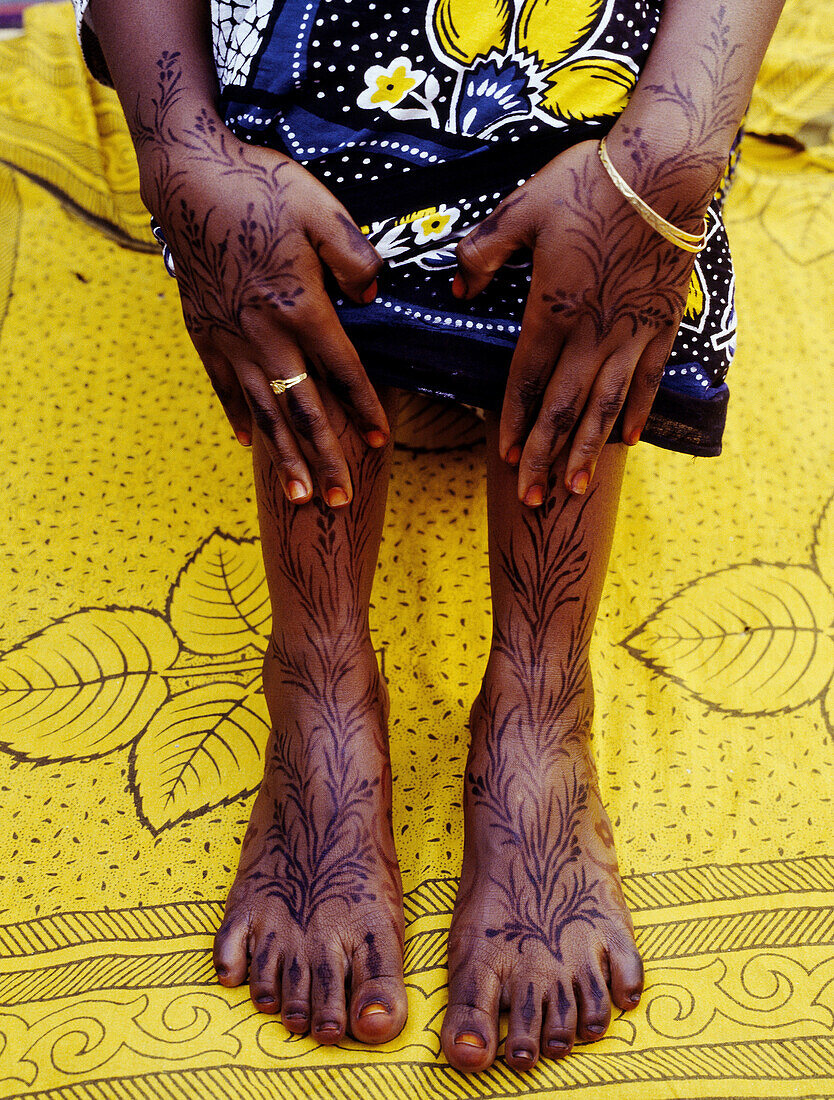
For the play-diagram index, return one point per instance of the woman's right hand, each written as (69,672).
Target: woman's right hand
(250,232)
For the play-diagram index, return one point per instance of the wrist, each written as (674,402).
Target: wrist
(660,163)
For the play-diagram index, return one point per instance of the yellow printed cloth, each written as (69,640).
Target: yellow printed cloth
(126,778)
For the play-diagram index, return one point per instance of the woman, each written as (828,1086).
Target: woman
(461,137)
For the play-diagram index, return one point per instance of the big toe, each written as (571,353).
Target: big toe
(469,1035)
(230,952)
(378,1004)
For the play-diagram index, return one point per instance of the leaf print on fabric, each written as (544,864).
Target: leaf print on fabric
(219,603)
(85,685)
(469,29)
(204,748)
(104,679)
(528,59)
(589,88)
(751,639)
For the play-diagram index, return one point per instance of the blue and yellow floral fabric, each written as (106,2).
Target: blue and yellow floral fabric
(421,117)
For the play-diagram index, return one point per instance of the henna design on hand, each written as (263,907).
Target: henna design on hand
(221,274)
(630,275)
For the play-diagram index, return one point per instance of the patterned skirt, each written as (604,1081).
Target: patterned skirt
(420,119)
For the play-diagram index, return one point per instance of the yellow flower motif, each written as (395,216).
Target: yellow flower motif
(393,88)
(435,225)
(387,86)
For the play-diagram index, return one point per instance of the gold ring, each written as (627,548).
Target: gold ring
(281,385)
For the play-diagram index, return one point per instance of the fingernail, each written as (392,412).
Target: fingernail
(580,483)
(458,286)
(471,1039)
(369,294)
(535,496)
(376,439)
(336,498)
(296,490)
(514,456)
(373,1008)
(633,438)
(243,437)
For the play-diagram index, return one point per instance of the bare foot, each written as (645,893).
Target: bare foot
(315,913)
(540,925)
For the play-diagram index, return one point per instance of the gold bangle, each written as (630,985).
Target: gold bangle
(689,242)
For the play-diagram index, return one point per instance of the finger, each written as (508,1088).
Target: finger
(290,466)
(644,386)
(490,244)
(538,348)
(302,408)
(561,407)
(340,369)
(601,410)
(354,262)
(225,383)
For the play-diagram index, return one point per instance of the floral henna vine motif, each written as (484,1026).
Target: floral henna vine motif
(545,884)
(221,274)
(324,841)
(631,275)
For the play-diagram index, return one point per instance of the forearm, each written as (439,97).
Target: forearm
(136,37)
(675,135)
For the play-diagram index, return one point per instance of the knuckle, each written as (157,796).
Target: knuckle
(560,418)
(307,421)
(587,450)
(266,418)
(539,462)
(650,379)
(469,254)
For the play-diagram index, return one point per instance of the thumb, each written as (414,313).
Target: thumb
(354,262)
(489,245)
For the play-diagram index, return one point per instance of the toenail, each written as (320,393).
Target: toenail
(634,999)
(222,971)
(471,1039)
(264,999)
(556,1046)
(374,1008)
(296,1017)
(596,1029)
(522,1055)
(329,1026)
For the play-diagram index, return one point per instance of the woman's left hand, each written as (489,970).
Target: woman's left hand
(605,301)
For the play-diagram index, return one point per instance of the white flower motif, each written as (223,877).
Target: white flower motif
(433,226)
(386,86)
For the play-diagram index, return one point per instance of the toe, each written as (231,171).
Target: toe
(230,952)
(378,1005)
(626,976)
(263,974)
(593,1004)
(327,997)
(470,1027)
(559,1029)
(521,1050)
(295,993)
